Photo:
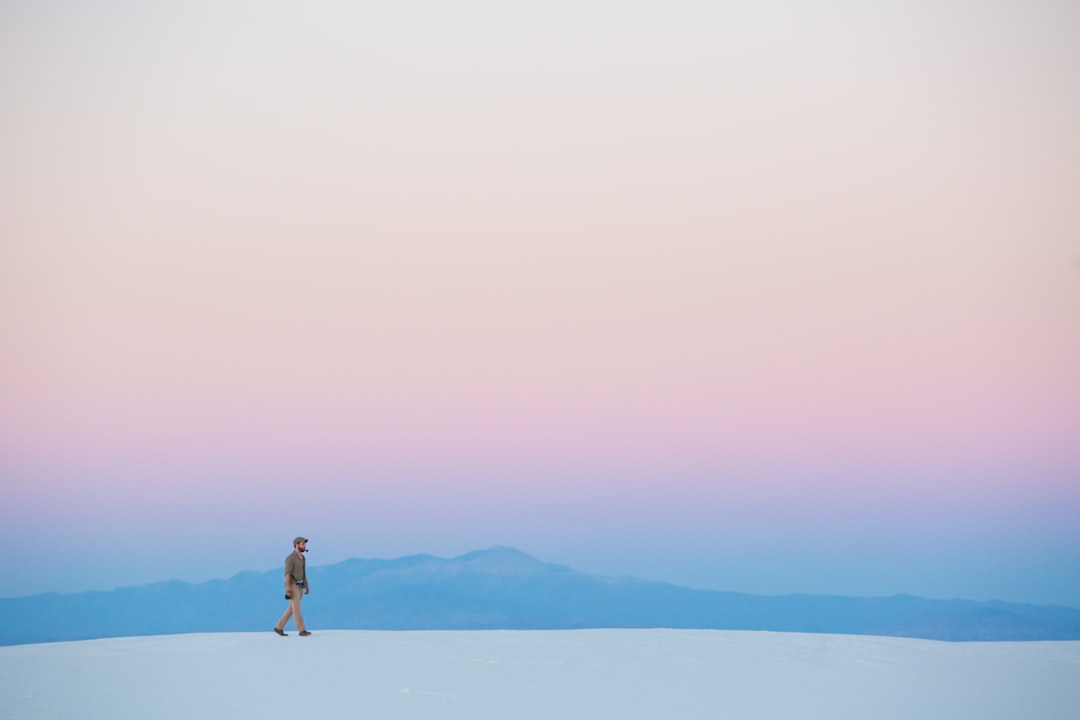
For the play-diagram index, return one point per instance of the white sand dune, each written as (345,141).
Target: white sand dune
(653,674)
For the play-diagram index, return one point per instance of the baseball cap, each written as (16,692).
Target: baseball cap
(299,540)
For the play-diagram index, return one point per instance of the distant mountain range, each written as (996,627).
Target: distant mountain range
(503,588)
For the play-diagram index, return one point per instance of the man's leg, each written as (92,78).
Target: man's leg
(285,618)
(294,608)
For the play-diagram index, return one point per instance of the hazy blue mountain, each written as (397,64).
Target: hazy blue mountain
(503,588)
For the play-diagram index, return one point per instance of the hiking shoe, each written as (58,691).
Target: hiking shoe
(280,632)
(304,633)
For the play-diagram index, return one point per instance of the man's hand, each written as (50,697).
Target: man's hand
(288,595)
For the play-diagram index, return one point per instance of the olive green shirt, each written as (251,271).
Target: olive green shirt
(296,567)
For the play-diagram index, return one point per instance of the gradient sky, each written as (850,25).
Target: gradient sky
(758,296)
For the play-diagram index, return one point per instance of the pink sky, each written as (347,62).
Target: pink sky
(656,276)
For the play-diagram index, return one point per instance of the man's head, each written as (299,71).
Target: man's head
(300,543)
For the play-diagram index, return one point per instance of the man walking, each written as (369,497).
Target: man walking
(296,586)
